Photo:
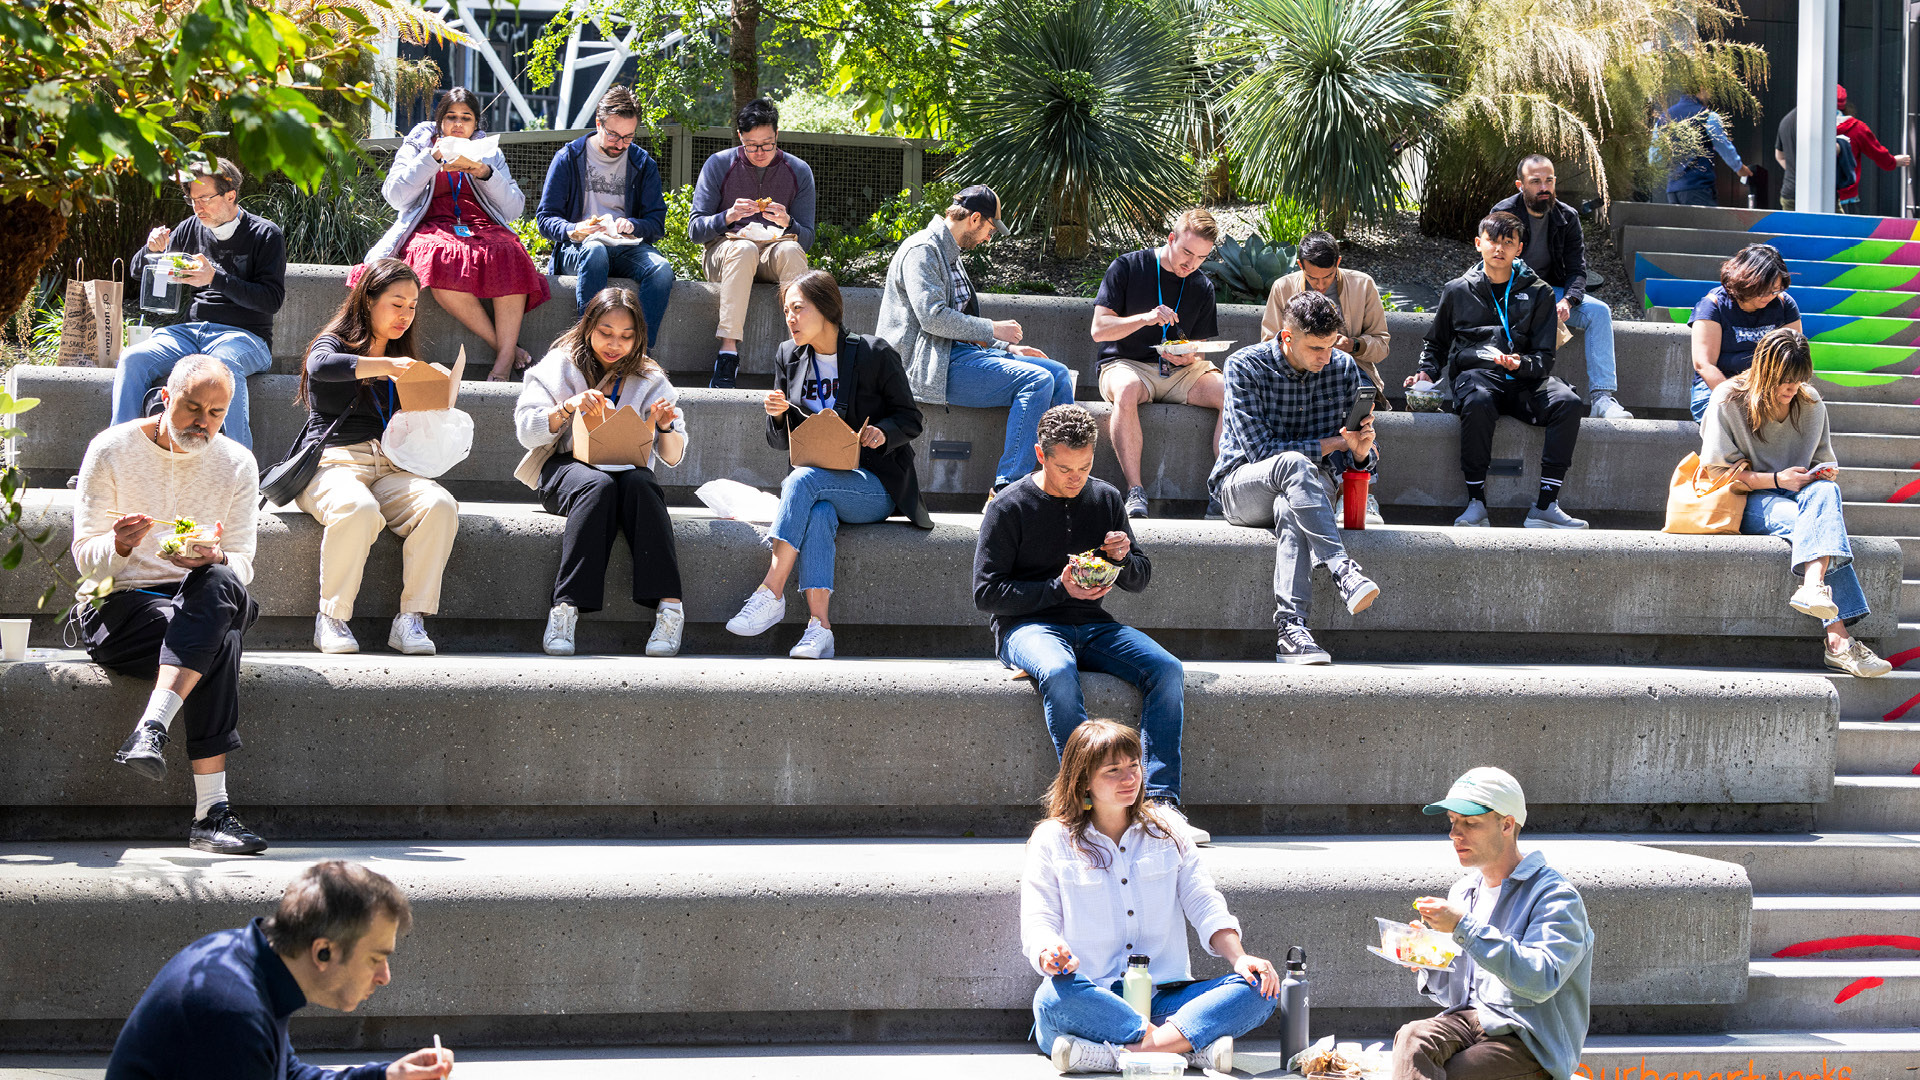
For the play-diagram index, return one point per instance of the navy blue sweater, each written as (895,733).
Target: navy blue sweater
(218,1011)
(563,201)
(249,272)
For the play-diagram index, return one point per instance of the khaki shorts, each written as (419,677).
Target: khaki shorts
(1170,389)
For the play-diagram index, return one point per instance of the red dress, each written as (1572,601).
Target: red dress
(491,262)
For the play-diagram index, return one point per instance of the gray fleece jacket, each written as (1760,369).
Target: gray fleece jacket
(919,314)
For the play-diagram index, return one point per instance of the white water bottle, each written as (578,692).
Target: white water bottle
(1137,985)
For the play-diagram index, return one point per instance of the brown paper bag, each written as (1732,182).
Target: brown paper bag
(430,386)
(824,441)
(91,325)
(621,437)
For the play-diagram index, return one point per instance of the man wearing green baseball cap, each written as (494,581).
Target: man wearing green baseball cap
(1514,1003)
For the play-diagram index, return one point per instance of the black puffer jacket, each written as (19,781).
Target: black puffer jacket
(1468,332)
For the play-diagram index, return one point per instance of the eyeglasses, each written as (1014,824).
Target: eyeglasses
(199,201)
(760,147)
(611,137)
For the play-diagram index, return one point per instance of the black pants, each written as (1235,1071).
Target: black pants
(598,505)
(198,627)
(1482,397)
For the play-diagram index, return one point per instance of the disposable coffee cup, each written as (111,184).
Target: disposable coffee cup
(13,638)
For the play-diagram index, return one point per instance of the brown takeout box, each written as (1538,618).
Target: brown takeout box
(622,436)
(824,441)
(430,386)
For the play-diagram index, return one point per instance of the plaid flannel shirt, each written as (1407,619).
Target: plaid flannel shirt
(1273,407)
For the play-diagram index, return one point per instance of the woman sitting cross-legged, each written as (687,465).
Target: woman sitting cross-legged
(358,489)
(861,378)
(1078,921)
(1770,428)
(455,230)
(597,367)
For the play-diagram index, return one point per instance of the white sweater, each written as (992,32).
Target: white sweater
(555,379)
(125,470)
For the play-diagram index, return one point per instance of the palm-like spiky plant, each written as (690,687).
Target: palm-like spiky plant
(1576,80)
(1329,93)
(1071,112)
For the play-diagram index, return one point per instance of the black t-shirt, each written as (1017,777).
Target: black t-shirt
(1136,282)
(332,387)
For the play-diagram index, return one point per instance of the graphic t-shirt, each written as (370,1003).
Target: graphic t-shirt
(606,181)
(1135,283)
(1741,330)
(816,392)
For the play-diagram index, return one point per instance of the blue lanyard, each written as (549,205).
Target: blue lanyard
(392,402)
(1500,308)
(454,183)
(1160,294)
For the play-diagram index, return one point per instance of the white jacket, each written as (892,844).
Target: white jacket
(555,379)
(409,189)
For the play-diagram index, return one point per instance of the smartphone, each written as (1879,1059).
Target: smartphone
(1825,468)
(1362,408)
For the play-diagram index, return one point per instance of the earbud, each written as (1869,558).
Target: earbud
(326,953)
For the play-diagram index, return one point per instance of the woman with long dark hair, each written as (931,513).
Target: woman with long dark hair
(823,367)
(358,490)
(1750,300)
(455,231)
(1107,878)
(596,368)
(1768,427)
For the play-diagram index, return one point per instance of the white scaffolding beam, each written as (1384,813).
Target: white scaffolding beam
(1814,102)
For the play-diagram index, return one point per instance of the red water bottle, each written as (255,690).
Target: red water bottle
(1353,498)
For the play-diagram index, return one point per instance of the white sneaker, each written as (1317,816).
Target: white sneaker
(333,636)
(558,640)
(1552,518)
(1218,1055)
(1604,407)
(1373,511)
(667,627)
(1814,600)
(1071,1055)
(409,634)
(1177,821)
(761,613)
(815,644)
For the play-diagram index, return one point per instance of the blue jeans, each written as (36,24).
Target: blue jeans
(1055,655)
(592,264)
(1203,1011)
(813,503)
(147,365)
(1594,320)
(979,378)
(1693,197)
(1697,399)
(1811,518)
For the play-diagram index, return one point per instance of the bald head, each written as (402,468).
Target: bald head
(197,394)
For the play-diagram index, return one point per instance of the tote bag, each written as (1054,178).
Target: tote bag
(90,322)
(1701,505)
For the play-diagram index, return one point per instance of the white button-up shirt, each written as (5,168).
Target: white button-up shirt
(1134,904)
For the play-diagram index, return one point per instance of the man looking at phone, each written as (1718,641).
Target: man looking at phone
(1287,439)
(603,209)
(1516,1001)
(166,521)
(1148,298)
(1491,350)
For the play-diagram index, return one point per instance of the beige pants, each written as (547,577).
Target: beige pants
(356,492)
(737,264)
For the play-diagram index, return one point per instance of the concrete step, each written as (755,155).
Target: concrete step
(1904,639)
(1830,328)
(1651,263)
(517,933)
(1867,1055)
(1910,599)
(1836,927)
(1859,450)
(1895,253)
(1683,294)
(1869,485)
(1887,699)
(727,438)
(1814,994)
(1871,388)
(1735,219)
(1832,863)
(715,745)
(1547,595)
(1878,748)
(1872,803)
(1867,418)
(1883,519)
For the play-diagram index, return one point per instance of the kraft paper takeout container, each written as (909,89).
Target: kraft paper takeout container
(622,436)
(824,441)
(430,386)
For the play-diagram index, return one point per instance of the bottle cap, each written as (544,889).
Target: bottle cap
(1142,959)
(1296,965)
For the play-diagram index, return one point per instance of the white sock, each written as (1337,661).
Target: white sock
(162,705)
(670,605)
(209,790)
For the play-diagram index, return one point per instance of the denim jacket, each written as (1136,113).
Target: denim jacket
(1538,944)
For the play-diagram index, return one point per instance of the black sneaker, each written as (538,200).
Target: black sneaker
(1356,588)
(1215,512)
(726,367)
(222,833)
(142,752)
(1297,646)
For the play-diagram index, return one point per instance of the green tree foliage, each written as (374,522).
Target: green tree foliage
(1327,94)
(1072,112)
(1578,80)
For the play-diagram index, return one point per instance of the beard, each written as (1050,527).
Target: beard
(1543,200)
(186,442)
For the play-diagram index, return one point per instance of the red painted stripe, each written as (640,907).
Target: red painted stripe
(1907,491)
(1854,941)
(1902,710)
(1900,658)
(1916,770)
(1856,987)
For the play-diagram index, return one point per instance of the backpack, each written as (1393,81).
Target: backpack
(1846,168)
